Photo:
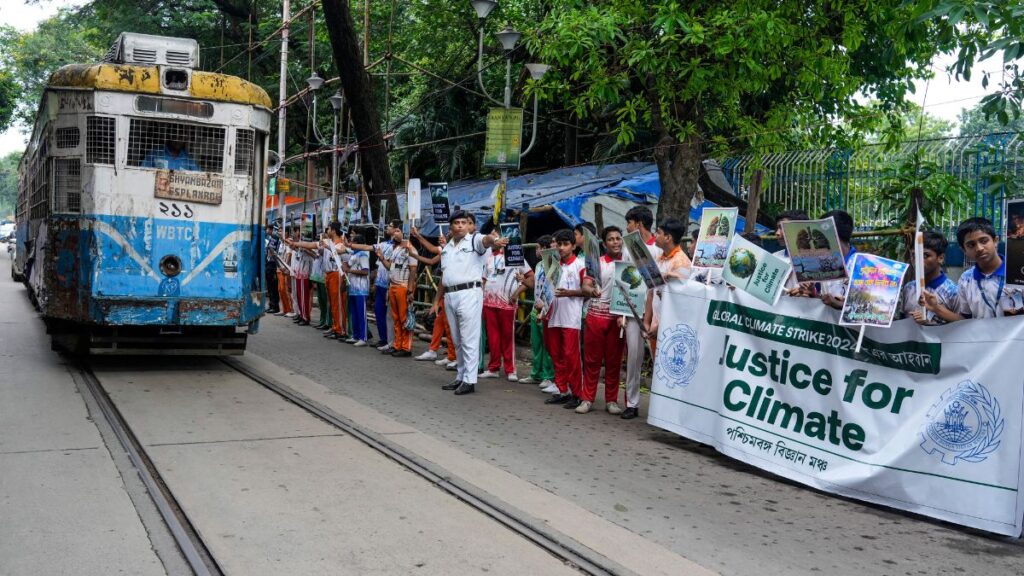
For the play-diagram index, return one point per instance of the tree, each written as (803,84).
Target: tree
(981,30)
(356,84)
(975,122)
(29,58)
(8,99)
(9,183)
(718,76)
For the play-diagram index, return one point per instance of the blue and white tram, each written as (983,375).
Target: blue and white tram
(140,203)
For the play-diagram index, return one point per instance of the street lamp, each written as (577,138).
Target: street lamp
(508,38)
(338,103)
(483,7)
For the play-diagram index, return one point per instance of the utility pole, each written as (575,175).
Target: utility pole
(283,96)
(311,116)
(366,33)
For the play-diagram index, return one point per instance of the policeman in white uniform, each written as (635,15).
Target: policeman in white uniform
(462,262)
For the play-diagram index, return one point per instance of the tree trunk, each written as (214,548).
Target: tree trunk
(355,83)
(679,165)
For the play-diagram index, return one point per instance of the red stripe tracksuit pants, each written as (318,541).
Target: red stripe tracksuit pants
(604,345)
(564,346)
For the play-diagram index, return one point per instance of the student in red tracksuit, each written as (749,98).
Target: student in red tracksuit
(603,330)
(562,327)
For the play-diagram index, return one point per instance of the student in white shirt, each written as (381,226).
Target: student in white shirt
(982,290)
(562,331)
(502,287)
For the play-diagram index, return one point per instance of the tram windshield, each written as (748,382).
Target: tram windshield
(175,146)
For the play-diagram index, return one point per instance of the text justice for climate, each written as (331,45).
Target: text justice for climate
(757,402)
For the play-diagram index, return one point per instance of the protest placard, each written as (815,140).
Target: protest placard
(874,291)
(717,226)
(439,201)
(632,287)
(591,254)
(755,270)
(814,250)
(514,250)
(412,210)
(1014,242)
(552,266)
(642,259)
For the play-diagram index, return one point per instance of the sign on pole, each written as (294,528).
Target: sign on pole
(504,138)
(413,196)
(439,201)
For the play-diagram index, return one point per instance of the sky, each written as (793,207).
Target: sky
(941,96)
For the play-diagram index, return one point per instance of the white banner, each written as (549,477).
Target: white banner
(926,420)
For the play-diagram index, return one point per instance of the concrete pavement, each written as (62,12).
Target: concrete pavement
(677,494)
(64,508)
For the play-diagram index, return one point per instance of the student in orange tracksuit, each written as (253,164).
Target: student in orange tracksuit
(402,274)
(283,277)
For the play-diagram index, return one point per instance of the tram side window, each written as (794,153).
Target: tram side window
(100,139)
(67,185)
(244,140)
(175,146)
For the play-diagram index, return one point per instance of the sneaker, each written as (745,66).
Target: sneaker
(290,315)
(352,341)
(453,366)
(380,344)
(360,343)
(584,407)
(528,380)
(441,361)
(487,374)
(513,377)
(613,408)
(546,383)
(629,413)
(386,350)
(384,346)
(559,399)
(428,355)
(401,354)
(573,403)
(550,389)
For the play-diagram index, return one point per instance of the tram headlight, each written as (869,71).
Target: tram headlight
(170,265)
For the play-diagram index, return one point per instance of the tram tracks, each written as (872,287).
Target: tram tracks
(557,544)
(201,561)
(187,539)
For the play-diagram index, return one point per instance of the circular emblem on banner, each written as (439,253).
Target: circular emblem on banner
(677,357)
(964,425)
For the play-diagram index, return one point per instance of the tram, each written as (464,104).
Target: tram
(140,203)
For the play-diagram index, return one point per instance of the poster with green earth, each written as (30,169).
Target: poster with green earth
(717,226)
(755,270)
(630,278)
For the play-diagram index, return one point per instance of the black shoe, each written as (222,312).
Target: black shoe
(401,354)
(573,404)
(273,310)
(558,399)
(465,388)
(304,323)
(297,319)
(321,326)
(378,344)
(453,386)
(629,413)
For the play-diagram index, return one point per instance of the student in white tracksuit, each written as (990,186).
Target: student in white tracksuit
(462,262)
(638,218)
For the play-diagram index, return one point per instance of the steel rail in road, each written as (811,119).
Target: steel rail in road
(555,543)
(198,557)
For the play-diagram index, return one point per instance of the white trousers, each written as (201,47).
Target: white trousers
(634,361)
(465,310)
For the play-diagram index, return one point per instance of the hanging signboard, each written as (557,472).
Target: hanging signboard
(504,138)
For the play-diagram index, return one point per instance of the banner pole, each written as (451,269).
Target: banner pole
(860,339)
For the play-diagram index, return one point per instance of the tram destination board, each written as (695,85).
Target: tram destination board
(199,187)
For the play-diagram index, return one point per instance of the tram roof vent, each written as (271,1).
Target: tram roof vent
(132,48)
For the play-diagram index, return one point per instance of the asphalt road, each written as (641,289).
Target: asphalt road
(682,495)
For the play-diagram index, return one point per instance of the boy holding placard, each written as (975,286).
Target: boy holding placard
(935,281)
(982,290)
(603,329)
(562,331)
